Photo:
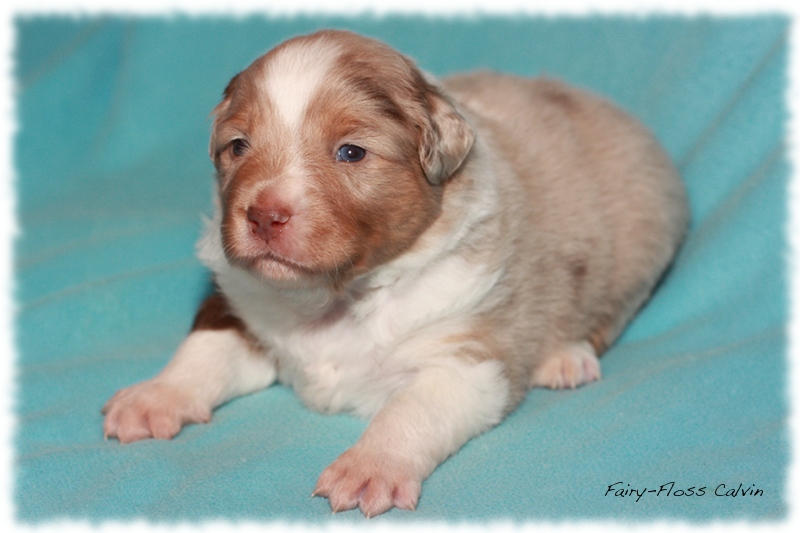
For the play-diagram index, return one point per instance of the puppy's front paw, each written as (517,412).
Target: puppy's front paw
(152,409)
(372,481)
(573,365)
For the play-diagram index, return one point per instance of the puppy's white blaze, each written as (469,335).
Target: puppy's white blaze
(294,187)
(218,365)
(293,76)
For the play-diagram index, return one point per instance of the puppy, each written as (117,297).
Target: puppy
(412,252)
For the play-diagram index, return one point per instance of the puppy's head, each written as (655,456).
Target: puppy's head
(331,151)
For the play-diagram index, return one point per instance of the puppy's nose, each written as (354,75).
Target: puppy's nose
(267,222)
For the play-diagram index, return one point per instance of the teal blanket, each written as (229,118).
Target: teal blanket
(112,179)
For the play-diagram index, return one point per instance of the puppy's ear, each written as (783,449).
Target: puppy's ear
(446,140)
(218,112)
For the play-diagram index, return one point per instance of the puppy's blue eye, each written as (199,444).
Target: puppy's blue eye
(350,153)
(238,147)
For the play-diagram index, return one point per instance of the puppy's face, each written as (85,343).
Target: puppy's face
(331,152)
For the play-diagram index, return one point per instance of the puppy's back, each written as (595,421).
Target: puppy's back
(604,209)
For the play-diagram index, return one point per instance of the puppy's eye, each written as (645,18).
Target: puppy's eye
(238,147)
(350,153)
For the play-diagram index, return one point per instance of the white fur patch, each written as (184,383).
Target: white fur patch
(445,405)
(220,365)
(294,75)
(209,368)
(573,365)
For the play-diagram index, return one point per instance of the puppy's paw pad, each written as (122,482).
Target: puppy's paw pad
(570,367)
(372,482)
(151,409)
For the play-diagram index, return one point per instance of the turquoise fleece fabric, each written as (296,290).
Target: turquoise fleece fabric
(112,179)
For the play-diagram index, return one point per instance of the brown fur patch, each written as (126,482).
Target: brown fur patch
(555,93)
(599,340)
(214,313)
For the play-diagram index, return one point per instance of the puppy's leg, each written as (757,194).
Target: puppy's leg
(570,365)
(210,367)
(443,406)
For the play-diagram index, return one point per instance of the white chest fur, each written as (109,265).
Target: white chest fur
(352,352)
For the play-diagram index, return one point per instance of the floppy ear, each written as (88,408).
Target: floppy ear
(445,141)
(218,112)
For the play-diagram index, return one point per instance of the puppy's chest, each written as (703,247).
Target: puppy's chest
(353,356)
(344,363)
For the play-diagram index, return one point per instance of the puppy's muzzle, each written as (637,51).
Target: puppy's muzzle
(267,218)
